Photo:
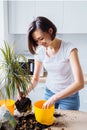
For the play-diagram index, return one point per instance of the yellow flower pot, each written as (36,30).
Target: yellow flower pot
(9,104)
(43,116)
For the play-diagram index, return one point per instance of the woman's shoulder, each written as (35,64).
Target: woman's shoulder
(67,47)
(67,43)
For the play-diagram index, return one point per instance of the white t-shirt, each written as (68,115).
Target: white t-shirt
(58,67)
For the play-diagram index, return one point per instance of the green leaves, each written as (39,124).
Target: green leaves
(10,118)
(14,76)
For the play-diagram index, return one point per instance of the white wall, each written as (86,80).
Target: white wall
(4,35)
(1,22)
(9,38)
(20,43)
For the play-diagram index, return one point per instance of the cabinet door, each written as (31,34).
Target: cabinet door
(21,13)
(52,10)
(75,18)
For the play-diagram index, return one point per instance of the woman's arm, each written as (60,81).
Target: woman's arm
(78,76)
(77,85)
(35,79)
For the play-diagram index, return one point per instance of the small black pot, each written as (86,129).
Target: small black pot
(23,105)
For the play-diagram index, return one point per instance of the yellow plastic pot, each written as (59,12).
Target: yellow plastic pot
(43,116)
(9,104)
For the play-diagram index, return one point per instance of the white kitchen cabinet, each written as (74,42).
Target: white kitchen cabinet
(21,13)
(75,17)
(68,16)
(52,10)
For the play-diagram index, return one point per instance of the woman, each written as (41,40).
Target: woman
(60,59)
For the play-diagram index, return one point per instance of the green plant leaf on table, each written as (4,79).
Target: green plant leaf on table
(10,118)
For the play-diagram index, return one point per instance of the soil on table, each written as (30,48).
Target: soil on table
(29,123)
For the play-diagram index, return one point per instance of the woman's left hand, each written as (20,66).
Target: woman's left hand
(50,102)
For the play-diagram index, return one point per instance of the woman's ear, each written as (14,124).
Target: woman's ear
(50,30)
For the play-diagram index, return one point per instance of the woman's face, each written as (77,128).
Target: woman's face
(42,38)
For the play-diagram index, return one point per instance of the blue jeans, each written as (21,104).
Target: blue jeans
(69,103)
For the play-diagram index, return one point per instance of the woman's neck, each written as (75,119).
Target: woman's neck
(55,44)
(54,47)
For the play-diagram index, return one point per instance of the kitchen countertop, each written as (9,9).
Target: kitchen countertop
(70,120)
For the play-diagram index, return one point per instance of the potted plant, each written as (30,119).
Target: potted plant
(13,76)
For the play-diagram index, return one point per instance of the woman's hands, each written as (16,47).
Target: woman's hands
(22,95)
(50,102)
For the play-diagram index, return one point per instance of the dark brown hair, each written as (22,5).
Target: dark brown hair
(43,24)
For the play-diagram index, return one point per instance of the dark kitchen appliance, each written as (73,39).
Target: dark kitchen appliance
(31,66)
(28,66)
